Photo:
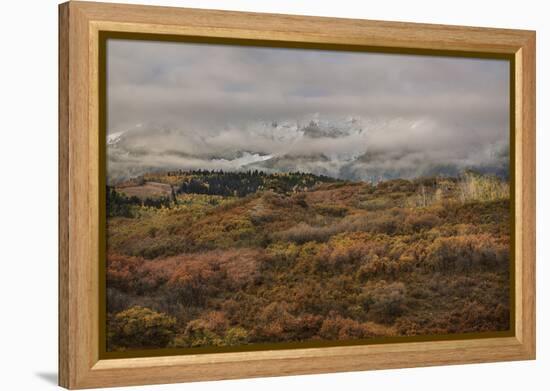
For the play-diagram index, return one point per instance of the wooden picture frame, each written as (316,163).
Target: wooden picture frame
(80,156)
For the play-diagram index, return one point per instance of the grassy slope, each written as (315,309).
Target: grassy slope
(342,260)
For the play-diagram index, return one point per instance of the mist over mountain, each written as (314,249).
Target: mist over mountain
(350,115)
(350,148)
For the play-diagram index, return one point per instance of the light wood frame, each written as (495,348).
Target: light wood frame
(79,162)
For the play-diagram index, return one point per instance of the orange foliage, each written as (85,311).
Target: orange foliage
(339,261)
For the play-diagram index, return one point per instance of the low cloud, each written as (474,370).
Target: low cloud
(350,115)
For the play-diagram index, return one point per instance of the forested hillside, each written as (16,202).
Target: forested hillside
(208,258)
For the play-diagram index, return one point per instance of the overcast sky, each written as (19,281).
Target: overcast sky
(354,115)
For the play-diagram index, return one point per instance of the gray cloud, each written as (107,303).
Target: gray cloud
(176,105)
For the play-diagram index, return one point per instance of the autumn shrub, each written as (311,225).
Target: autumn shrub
(303,232)
(235,336)
(123,271)
(377,267)
(262,216)
(410,327)
(275,321)
(484,318)
(384,301)
(345,251)
(140,327)
(477,317)
(371,267)
(331,210)
(212,329)
(278,200)
(310,258)
(225,231)
(154,247)
(394,186)
(153,231)
(386,222)
(197,334)
(300,199)
(133,274)
(419,222)
(190,289)
(345,257)
(279,256)
(376,204)
(339,328)
(463,286)
(342,252)
(306,326)
(387,259)
(216,321)
(187,279)
(309,297)
(467,252)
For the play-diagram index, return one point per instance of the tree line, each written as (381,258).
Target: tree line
(214,182)
(241,184)
(119,204)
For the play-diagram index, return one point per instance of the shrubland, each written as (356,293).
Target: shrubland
(294,257)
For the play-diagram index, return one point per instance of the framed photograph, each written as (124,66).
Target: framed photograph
(246,195)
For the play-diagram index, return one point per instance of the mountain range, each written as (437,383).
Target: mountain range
(351,148)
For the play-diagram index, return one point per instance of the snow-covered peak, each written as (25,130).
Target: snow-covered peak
(114,138)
